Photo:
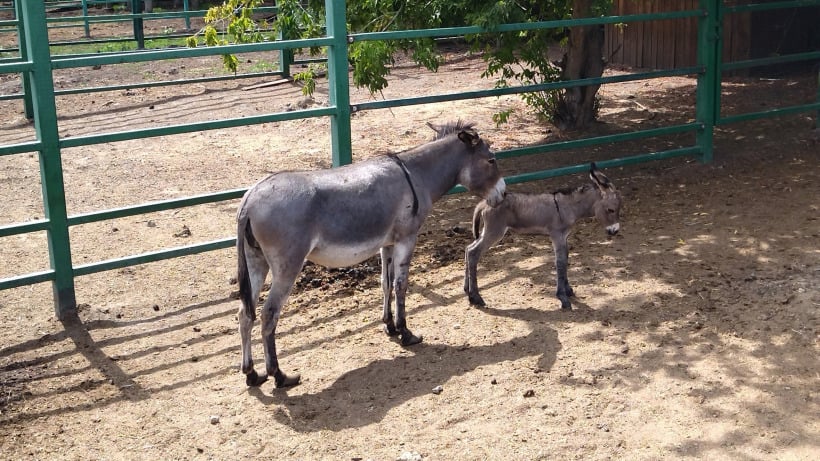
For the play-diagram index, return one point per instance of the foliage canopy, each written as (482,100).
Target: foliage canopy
(512,57)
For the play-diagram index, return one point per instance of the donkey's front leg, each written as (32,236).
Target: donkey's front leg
(492,233)
(564,291)
(401,268)
(471,256)
(388,275)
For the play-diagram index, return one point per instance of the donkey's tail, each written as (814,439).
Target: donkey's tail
(477,214)
(243,236)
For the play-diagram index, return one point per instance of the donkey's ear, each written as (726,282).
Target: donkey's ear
(598,178)
(469,137)
(436,128)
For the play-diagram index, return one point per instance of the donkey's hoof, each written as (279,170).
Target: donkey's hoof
(253,379)
(477,300)
(566,306)
(282,380)
(408,339)
(390,330)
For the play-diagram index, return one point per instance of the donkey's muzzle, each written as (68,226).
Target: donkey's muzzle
(497,193)
(613,229)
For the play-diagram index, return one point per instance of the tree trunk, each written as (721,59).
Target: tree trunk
(577,107)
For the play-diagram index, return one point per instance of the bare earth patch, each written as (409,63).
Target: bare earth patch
(694,333)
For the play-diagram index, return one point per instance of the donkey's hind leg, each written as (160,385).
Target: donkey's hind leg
(257,271)
(285,267)
(564,291)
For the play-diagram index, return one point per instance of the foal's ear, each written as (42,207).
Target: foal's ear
(598,178)
(469,137)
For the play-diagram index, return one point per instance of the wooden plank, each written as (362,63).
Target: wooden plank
(267,84)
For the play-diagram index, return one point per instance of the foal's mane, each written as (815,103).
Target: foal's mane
(572,190)
(452,127)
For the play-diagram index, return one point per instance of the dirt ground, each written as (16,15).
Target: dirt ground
(694,334)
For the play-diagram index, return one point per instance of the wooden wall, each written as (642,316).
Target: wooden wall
(670,43)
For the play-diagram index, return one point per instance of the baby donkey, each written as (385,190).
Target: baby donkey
(543,214)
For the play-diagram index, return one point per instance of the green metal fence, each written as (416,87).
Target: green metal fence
(36,64)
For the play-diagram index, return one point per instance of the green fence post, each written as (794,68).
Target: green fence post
(707,108)
(51,170)
(186,8)
(85,20)
(338,83)
(139,31)
(21,44)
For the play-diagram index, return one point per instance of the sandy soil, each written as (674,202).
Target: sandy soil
(694,334)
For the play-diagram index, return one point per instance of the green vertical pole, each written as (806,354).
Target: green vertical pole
(139,31)
(51,172)
(285,56)
(707,102)
(85,19)
(28,105)
(186,8)
(338,82)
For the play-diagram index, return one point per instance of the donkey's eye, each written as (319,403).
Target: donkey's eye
(610,210)
(492,161)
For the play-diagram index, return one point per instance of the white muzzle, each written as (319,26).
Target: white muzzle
(496,195)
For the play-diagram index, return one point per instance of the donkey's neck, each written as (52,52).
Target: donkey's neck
(577,204)
(436,169)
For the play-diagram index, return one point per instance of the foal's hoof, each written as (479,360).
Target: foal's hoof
(390,330)
(253,379)
(282,380)
(408,339)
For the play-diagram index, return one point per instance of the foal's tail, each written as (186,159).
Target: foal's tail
(243,236)
(477,214)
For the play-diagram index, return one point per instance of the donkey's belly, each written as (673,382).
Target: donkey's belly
(343,255)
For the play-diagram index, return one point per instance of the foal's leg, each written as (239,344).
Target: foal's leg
(559,244)
(257,271)
(387,288)
(402,252)
(492,233)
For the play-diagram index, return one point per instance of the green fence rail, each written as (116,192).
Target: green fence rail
(36,65)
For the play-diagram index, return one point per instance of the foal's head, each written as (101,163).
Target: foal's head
(608,207)
(479,173)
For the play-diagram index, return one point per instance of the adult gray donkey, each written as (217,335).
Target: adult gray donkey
(343,216)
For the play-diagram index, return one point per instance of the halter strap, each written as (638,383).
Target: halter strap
(409,181)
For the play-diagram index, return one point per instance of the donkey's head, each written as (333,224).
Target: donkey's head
(479,171)
(608,207)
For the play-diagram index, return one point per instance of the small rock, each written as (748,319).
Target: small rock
(437,390)
(410,456)
(156,308)
(529,393)
(214,419)
(185,232)
(494,381)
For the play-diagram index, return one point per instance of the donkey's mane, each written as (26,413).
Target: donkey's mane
(452,127)
(572,190)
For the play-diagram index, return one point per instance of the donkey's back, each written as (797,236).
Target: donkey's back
(337,218)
